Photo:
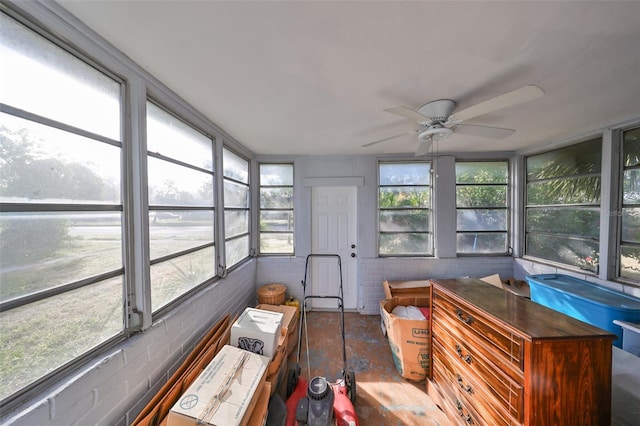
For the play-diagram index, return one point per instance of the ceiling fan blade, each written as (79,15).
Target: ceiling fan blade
(512,98)
(413,132)
(407,113)
(483,131)
(424,147)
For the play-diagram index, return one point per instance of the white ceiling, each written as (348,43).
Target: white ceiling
(313,77)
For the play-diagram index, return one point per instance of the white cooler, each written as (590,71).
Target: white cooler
(257,331)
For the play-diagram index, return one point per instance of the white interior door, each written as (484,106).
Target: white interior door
(334,231)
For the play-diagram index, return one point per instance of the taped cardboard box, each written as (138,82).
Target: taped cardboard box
(409,339)
(289,322)
(224,393)
(418,288)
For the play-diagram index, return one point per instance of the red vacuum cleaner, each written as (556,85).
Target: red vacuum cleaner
(316,401)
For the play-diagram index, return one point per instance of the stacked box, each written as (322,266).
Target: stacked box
(225,393)
(257,331)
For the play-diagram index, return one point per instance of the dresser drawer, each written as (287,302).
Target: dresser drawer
(465,317)
(457,408)
(470,362)
(489,402)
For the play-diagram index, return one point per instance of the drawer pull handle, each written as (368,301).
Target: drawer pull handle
(467,389)
(466,417)
(468,320)
(466,358)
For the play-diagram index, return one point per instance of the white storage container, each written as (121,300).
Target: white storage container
(257,331)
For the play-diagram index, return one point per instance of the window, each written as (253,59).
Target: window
(181,206)
(61,209)
(276,209)
(236,207)
(630,214)
(562,220)
(404,209)
(482,207)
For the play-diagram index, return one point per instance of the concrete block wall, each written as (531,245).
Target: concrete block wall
(372,271)
(113,389)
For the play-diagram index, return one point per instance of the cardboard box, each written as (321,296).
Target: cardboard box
(257,331)
(277,368)
(517,287)
(409,340)
(224,393)
(260,411)
(289,322)
(405,288)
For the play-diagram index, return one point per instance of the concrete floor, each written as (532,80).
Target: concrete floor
(383,396)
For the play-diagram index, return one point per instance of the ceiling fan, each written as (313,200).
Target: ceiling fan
(438,119)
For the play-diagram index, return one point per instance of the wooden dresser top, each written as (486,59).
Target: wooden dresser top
(532,320)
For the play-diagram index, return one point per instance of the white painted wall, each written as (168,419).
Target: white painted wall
(113,389)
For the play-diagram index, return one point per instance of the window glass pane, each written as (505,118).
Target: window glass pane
(631,225)
(48,81)
(43,164)
(276,198)
(281,221)
(582,221)
(482,220)
(579,159)
(171,137)
(630,262)
(236,222)
(172,278)
(235,167)
(631,186)
(481,196)
(484,243)
(177,230)
(558,248)
(276,243)
(631,147)
(63,247)
(404,221)
(405,244)
(564,191)
(405,174)
(237,249)
(395,197)
(482,172)
(236,195)
(173,185)
(37,338)
(276,175)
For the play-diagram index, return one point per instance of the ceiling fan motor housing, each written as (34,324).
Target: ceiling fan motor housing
(435,132)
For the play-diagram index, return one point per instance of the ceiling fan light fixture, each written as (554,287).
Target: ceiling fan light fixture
(435,133)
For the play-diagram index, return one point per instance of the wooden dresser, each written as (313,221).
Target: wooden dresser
(498,359)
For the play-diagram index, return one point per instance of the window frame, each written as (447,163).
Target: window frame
(248,234)
(182,207)
(430,209)
(121,208)
(261,209)
(621,206)
(563,207)
(507,207)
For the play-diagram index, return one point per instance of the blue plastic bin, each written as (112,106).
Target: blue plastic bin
(585,301)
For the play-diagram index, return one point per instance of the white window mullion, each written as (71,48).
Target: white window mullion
(136,211)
